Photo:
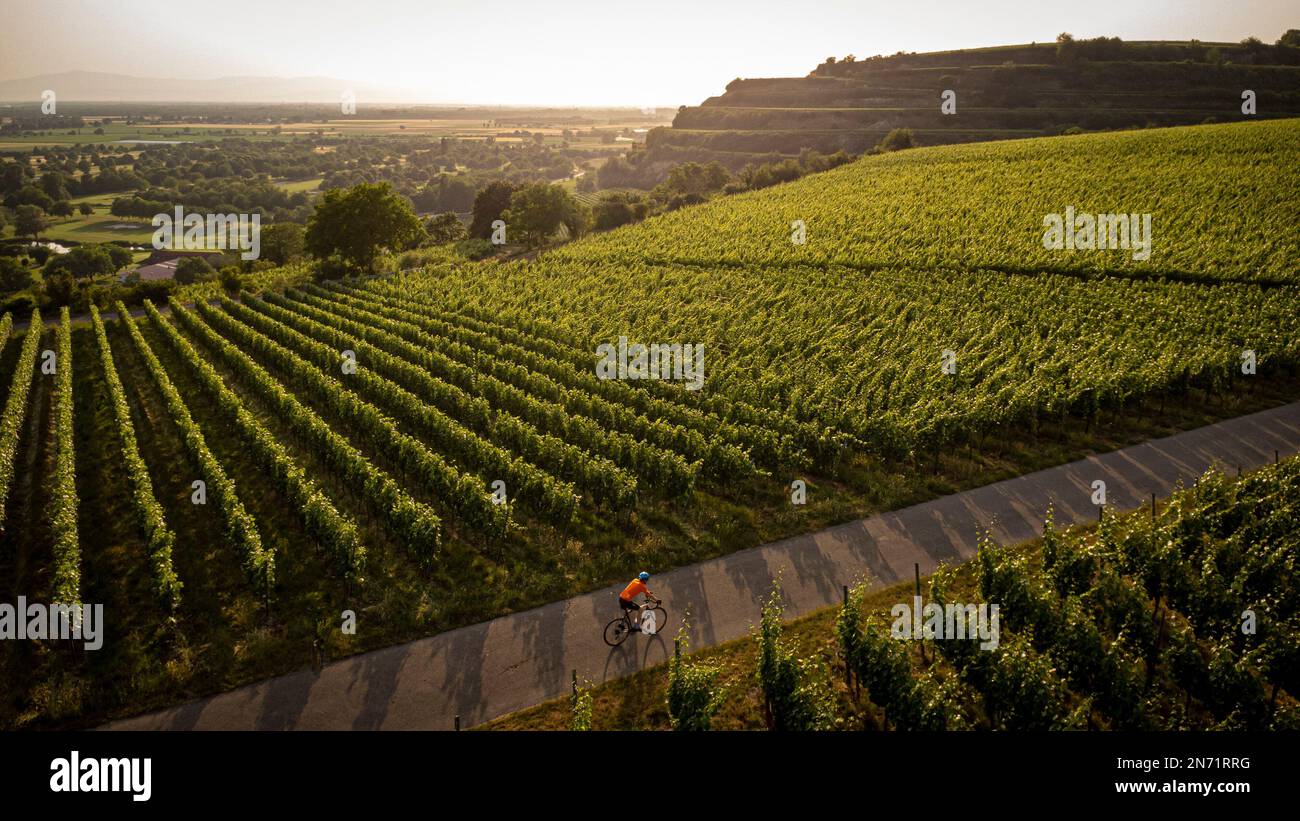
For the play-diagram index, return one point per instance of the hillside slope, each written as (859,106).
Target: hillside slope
(912,255)
(1002,92)
(1221,198)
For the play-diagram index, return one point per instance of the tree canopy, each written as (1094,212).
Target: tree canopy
(537,211)
(356,223)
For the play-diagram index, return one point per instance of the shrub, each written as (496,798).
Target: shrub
(896,140)
(14,276)
(475,248)
(332,267)
(191,269)
(580,703)
(231,280)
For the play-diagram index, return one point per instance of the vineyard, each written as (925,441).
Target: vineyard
(1220,199)
(227,476)
(435,448)
(1178,621)
(1180,618)
(902,264)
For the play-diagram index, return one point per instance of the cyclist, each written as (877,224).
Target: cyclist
(626,599)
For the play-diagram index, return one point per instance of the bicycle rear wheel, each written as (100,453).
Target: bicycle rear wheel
(616,632)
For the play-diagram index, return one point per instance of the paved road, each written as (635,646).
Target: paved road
(490,669)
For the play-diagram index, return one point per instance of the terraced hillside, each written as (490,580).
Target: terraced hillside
(1001,93)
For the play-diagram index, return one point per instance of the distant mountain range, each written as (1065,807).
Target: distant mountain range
(98,87)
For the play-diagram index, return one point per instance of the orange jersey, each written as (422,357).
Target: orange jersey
(633,588)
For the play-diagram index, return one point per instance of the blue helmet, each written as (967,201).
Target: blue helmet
(643,576)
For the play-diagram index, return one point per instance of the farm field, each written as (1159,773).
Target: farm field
(294,186)
(374,488)
(496,124)
(94,228)
(99,226)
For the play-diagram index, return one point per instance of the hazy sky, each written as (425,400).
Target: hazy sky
(584,52)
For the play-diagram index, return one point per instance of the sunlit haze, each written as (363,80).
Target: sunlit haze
(581,52)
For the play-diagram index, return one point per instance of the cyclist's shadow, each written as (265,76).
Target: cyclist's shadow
(625,656)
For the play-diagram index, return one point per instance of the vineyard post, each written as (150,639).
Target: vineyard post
(1153,508)
(458,723)
(916,571)
(1275,457)
(848,667)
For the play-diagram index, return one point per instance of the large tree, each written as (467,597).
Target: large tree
(14,276)
(537,211)
(357,223)
(489,205)
(29,221)
(444,228)
(54,185)
(191,269)
(89,261)
(283,242)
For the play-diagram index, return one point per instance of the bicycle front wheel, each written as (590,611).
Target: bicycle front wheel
(659,623)
(616,632)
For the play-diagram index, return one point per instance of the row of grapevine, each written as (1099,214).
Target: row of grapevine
(159,538)
(240,529)
(15,410)
(465,494)
(661,470)
(881,664)
(767,447)
(595,475)
(826,446)
(414,522)
(551,499)
(1070,629)
(1131,624)
(867,354)
(336,532)
(721,459)
(66,576)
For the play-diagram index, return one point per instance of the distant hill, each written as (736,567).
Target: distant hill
(1001,92)
(94,86)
